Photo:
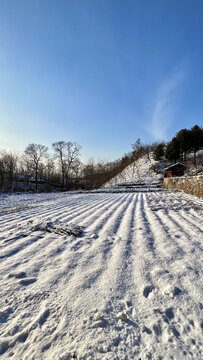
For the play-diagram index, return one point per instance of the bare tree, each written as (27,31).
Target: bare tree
(137,149)
(147,150)
(8,164)
(49,168)
(89,172)
(34,154)
(73,152)
(77,170)
(26,169)
(60,153)
(67,154)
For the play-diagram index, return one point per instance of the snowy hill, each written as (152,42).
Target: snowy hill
(143,171)
(147,171)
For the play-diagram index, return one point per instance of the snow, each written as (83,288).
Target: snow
(139,172)
(127,286)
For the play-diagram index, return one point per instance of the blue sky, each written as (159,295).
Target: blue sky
(99,72)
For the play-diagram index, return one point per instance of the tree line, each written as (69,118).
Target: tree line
(37,166)
(64,169)
(185,142)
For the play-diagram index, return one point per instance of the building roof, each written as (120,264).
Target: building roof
(174,165)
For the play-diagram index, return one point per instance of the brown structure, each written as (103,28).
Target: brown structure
(189,184)
(174,170)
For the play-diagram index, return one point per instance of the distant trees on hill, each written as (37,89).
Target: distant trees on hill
(65,171)
(96,174)
(185,141)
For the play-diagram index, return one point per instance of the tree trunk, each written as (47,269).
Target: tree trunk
(36,173)
(194,158)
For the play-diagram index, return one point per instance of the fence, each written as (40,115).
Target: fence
(190,184)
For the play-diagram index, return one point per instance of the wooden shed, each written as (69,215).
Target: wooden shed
(177,169)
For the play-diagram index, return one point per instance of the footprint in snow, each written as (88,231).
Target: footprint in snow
(43,317)
(22,276)
(146,330)
(169,313)
(19,275)
(4,314)
(177,291)
(147,290)
(4,345)
(26,282)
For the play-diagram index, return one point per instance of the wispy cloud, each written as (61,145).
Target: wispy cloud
(163,112)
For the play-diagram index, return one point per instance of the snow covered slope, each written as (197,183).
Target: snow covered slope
(141,171)
(128,287)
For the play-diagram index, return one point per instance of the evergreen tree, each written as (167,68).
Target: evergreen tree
(184,137)
(173,150)
(158,152)
(197,140)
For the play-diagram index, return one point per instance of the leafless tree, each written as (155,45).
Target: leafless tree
(67,154)
(73,152)
(8,164)
(60,153)
(147,150)
(49,168)
(34,154)
(77,170)
(137,149)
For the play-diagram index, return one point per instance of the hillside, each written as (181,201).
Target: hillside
(143,171)
(147,171)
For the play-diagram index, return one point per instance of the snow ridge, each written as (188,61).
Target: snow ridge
(127,287)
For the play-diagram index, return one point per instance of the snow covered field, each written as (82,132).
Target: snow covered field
(128,287)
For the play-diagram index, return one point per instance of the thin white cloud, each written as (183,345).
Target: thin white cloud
(163,112)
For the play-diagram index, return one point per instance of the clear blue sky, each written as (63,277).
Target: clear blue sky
(99,72)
